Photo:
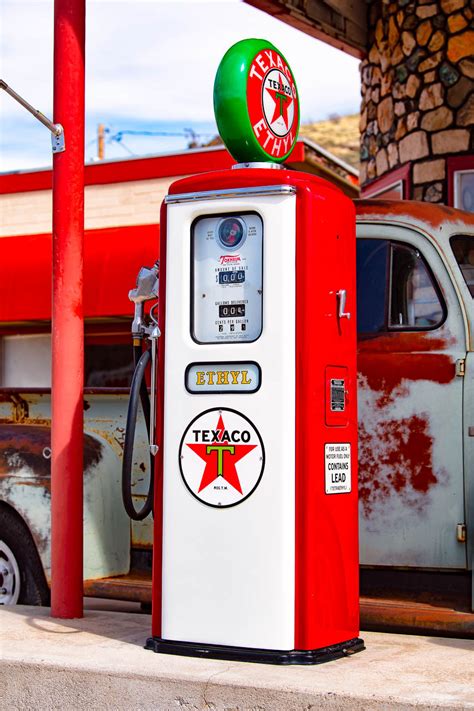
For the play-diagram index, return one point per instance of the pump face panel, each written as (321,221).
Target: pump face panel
(227,277)
(223,488)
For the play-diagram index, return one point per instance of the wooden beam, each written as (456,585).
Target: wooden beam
(340,23)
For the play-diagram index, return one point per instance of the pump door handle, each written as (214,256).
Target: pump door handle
(342,296)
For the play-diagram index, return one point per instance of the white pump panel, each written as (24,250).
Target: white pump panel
(227,273)
(203,512)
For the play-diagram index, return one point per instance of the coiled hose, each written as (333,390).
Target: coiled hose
(138,393)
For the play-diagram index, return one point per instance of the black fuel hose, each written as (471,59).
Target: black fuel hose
(138,393)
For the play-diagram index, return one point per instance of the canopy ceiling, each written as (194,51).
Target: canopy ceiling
(341,23)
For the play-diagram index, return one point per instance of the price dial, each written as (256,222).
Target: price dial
(227,269)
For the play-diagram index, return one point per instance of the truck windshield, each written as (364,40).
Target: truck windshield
(463,249)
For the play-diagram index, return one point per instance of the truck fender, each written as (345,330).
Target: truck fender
(25,485)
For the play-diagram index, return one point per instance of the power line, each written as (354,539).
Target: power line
(122,145)
(185,133)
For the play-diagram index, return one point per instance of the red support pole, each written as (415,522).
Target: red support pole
(68,321)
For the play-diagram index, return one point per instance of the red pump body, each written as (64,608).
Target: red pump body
(321,597)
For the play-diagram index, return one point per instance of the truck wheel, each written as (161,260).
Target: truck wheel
(22,578)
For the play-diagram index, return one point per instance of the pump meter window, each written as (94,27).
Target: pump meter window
(227,275)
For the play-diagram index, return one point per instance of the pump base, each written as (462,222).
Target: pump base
(262,656)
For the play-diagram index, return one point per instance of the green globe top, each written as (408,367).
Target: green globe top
(256,102)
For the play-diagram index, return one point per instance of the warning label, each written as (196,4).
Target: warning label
(337,465)
(338,392)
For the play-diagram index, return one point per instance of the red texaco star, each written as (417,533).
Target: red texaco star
(282,103)
(221,458)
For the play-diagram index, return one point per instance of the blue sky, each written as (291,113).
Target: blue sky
(151,66)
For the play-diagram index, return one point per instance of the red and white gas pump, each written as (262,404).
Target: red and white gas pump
(256,541)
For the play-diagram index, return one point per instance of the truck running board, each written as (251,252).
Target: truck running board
(376,614)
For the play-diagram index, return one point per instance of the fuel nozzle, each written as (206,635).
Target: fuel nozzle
(143,327)
(146,289)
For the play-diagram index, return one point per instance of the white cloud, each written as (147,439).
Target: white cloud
(154,61)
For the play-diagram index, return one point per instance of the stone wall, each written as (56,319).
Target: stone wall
(417,91)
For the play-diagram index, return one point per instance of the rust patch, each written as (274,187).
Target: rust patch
(396,456)
(119,436)
(134,586)
(386,373)
(404,342)
(23,445)
(392,615)
(20,406)
(34,421)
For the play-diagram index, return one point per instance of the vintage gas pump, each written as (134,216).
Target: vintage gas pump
(256,546)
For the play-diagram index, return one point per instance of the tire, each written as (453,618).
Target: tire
(22,579)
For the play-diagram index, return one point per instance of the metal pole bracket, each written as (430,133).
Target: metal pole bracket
(58,143)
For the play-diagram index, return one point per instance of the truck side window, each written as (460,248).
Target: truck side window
(372,285)
(414,300)
(463,249)
(395,289)
(25,361)
(107,365)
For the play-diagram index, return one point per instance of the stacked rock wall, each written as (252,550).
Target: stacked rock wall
(417,91)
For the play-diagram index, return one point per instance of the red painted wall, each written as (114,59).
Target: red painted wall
(112,258)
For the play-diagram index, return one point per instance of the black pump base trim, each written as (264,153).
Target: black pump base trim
(262,656)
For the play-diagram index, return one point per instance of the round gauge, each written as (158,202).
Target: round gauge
(231,233)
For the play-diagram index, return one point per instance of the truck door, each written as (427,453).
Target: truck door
(411,337)
(462,246)
(469,461)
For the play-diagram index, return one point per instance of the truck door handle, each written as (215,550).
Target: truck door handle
(342,296)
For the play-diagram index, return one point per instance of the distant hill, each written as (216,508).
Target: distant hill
(339,135)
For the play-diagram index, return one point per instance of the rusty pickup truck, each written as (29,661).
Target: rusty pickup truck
(415,270)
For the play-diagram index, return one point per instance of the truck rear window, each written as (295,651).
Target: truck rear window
(463,250)
(108,366)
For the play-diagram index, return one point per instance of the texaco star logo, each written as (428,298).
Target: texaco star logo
(278,102)
(272,103)
(221,457)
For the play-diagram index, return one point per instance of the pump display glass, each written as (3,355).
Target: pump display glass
(227,278)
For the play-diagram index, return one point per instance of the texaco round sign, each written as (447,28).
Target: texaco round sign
(256,102)
(221,457)
(273,104)
(278,101)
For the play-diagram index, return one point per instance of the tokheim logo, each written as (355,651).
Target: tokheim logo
(221,457)
(272,103)
(229,258)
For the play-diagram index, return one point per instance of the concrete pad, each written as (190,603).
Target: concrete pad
(99,663)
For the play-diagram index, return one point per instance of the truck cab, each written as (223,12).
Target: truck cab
(415,270)
(112,543)
(415,277)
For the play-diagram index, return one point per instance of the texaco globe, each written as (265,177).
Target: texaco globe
(256,102)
